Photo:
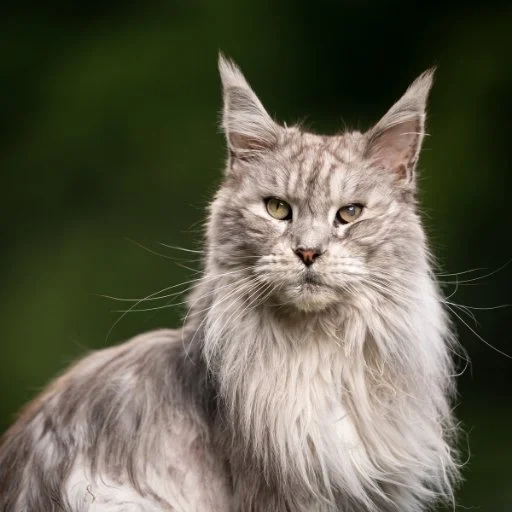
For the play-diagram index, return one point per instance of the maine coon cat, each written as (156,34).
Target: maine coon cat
(313,369)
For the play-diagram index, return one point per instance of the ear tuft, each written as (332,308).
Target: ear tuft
(246,123)
(230,74)
(395,141)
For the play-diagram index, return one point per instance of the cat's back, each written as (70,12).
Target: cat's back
(124,427)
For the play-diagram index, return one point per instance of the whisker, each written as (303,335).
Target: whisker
(203,251)
(480,337)
(156,253)
(184,249)
(155,295)
(478,269)
(490,308)
(489,274)
(204,279)
(174,304)
(462,309)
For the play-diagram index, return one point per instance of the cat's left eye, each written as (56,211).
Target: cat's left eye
(349,213)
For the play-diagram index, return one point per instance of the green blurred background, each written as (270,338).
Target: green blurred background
(110,137)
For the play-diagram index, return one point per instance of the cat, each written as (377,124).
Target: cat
(313,372)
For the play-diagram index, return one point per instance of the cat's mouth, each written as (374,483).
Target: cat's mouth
(312,294)
(306,291)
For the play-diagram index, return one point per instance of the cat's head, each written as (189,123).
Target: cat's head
(311,221)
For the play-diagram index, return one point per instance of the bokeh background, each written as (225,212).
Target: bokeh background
(109,147)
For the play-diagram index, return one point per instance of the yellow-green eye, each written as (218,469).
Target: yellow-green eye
(349,213)
(278,208)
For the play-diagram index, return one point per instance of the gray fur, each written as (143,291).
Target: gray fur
(288,389)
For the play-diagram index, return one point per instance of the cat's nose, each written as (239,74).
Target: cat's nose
(308,256)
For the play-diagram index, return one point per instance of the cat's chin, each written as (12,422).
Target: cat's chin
(311,298)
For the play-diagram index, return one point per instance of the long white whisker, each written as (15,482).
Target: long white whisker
(204,278)
(184,249)
(155,296)
(480,337)
(174,304)
(489,274)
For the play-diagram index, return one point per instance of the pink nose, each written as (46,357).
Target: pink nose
(308,256)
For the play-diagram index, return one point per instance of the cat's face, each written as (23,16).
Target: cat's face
(310,221)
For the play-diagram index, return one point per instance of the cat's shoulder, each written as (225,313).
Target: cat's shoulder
(104,379)
(134,354)
(142,356)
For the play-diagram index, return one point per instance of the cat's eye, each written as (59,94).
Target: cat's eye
(278,208)
(349,213)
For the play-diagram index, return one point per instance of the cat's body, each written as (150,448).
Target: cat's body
(312,373)
(129,409)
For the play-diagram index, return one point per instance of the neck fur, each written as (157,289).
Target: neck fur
(352,402)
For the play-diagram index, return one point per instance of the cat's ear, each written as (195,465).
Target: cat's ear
(246,123)
(395,141)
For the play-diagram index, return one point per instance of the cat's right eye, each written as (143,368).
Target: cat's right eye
(278,209)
